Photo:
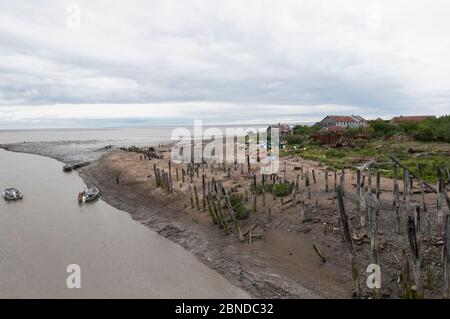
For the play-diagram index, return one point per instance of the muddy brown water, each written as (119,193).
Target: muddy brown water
(119,258)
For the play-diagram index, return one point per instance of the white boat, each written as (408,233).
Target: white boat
(12,194)
(89,195)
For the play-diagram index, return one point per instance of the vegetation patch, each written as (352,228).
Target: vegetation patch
(240,210)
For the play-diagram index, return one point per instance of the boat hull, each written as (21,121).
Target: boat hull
(12,194)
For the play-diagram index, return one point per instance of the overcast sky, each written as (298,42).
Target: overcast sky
(221,61)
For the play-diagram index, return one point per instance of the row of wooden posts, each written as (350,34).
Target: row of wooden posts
(371,203)
(368,201)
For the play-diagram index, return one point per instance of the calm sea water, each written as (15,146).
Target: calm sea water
(116,136)
(48,230)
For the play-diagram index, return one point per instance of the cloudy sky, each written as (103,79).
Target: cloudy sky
(65,63)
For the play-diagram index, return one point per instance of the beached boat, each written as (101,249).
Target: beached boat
(89,195)
(12,194)
(70,167)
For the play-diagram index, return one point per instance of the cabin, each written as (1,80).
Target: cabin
(411,119)
(347,121)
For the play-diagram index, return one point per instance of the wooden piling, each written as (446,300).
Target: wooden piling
(414,248)
(446,257)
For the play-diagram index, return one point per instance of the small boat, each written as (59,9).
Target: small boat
(89,195)
(67,168)
(70,167)
(12,194)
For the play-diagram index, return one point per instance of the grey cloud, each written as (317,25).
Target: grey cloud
(259,53)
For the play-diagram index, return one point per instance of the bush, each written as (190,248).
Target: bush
(282,189)
(305,130)
(294,139)
(434,130)
(240,211)
(354,132)
(381,129)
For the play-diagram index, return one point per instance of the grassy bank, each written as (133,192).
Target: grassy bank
(423,157)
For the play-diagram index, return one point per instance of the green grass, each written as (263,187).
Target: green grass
(241,212)
(430,157)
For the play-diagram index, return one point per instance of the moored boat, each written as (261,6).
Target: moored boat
(89,195)
(12,194)
(70,167)
(67,168)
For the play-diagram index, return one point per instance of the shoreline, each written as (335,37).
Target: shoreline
(283,262)
(180,229)
(220,254)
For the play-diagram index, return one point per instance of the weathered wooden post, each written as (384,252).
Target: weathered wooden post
(397,207)
(307,178)
(170,176)
(210,209)
(196,197)
(263,182)
(439,204)
(273,187)
(446,257)
(233,217)
(405,183)
(191,196)
(255,193)
(326,181)
(378,184)
(362,206)
(342,181)
(347,235)
(314,176)
(156,175)
(414,248)
(204,191)
(373,225)
(407,193)
(422,196)
(302,206)
(417,223)
(396,188)
(359,199)
(335,179)
(294,201)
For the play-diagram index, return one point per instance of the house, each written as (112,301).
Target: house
(283,129)
(347,121)
(412,119)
